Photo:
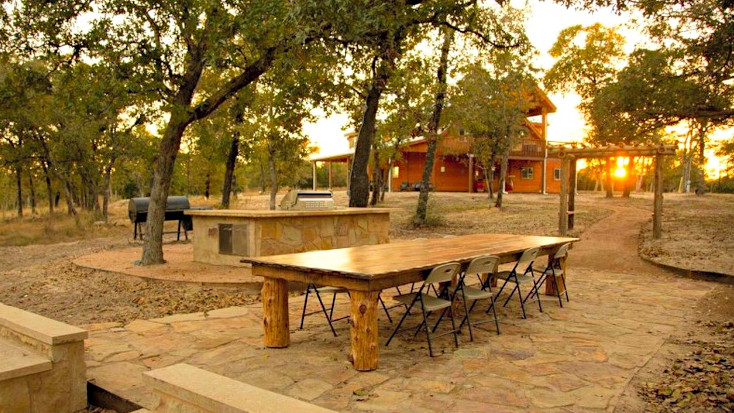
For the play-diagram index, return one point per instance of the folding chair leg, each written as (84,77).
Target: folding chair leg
(326,313)
(466,316)
(517,288)
(439,320)
(333,303)
(565,286)
(405,314)
(494,311)
(305,303)
(428,333)
(453,325)
(384,307)
(519,294)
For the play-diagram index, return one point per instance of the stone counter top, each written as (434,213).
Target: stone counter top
(263,213)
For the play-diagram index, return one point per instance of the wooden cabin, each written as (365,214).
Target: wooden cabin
(455,169)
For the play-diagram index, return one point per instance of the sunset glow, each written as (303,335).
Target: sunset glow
(620,172)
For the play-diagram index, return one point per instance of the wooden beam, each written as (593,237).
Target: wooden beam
(330,175)
(657,219)
(563,214)
(613,151)
(571,192)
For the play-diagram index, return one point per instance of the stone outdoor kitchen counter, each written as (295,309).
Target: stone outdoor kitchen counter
(225,236)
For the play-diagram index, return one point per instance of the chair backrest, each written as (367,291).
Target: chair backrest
(483,265)
(562,251)
(528,256)
(443,273)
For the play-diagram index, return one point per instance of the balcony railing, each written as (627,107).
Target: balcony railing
(531,148)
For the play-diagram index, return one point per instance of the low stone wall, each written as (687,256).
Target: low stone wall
(42,366)
(285,233)
(184,388)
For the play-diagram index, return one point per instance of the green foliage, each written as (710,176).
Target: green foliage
(491,104)
(587,60)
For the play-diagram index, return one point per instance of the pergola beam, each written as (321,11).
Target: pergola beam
(612,151)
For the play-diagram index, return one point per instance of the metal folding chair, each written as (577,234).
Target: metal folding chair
(444,301)
(481,265)
(526,261)
(554,269)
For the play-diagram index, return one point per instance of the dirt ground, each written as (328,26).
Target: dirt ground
(698,234)
(692,372)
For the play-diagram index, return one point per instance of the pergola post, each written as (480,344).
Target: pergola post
(657,218)
(313,174)
(563,213)
(330,176)
(571,192)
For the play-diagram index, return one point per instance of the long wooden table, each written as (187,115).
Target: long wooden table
(367,270)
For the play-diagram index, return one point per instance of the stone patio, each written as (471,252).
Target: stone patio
(579,358)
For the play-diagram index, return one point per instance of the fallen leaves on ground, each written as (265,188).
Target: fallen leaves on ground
(700,381)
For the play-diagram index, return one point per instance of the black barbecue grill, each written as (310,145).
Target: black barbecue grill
(175,207)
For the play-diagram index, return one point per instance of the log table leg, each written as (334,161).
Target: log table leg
(550,282)
(364,330)
(275,313)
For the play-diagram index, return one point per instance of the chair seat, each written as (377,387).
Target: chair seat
(521,278)
(473,294)
(331,290)
(430,303)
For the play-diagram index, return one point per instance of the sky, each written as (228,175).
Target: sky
(546,20)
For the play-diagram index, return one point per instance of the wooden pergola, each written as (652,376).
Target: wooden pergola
(570,154)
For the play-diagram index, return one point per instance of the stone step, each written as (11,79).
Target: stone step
(18,362)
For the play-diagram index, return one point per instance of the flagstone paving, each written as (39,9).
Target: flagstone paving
(571,359)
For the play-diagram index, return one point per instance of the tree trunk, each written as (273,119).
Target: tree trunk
(359,181)
(162,176)
(71,209)
(32,187)
(273,178)
(422,208)
(19,186)
(229,169)
(49,190)
(107,189)
(610,179)
(503,178)
(359,185)
(376,172)
(207,185)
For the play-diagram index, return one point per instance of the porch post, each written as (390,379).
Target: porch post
(330,176)
(471,173)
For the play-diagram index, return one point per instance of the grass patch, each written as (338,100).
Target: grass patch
(51,229)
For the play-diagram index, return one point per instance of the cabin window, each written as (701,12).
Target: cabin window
(557,174)
(443,169)
(527,172)
(396,172)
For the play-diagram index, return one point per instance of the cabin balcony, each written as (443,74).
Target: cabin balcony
(528,148)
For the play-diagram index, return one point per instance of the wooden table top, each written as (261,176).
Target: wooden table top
(371,262)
